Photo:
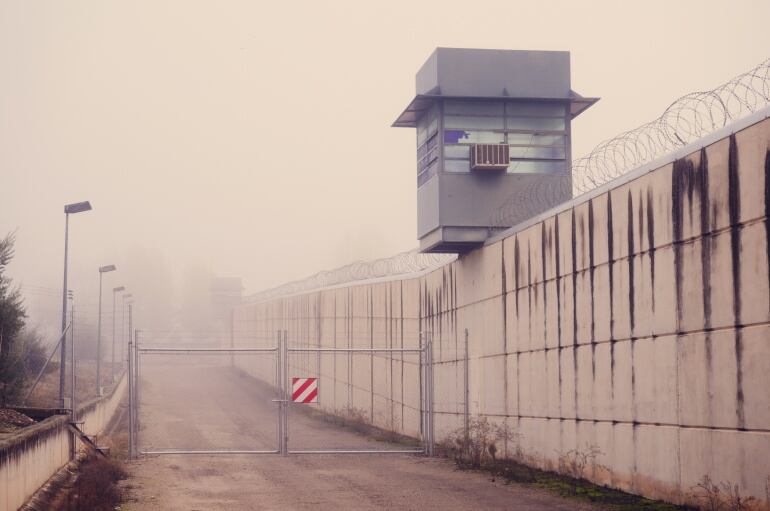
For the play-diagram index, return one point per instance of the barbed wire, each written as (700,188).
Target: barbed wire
(400,264)
(686,120)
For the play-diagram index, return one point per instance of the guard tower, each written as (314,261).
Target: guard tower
(490,123)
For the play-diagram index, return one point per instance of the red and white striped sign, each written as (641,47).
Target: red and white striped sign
(304,390)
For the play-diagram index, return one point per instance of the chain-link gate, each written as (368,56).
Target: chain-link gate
(282,355)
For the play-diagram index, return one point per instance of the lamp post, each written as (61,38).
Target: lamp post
(73,369)
(130,360)
(115,290)
(102,271)
(123,325)
(69,209)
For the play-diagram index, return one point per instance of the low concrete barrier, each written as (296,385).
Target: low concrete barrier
(31,457)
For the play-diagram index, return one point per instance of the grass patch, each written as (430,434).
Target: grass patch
(580,490)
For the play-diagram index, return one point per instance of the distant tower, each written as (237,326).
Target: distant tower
(489,123)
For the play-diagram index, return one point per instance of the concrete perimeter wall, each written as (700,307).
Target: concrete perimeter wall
(636,321)
(36,453)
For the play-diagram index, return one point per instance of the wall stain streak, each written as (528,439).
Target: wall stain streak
(640,221)
(680,172)
(543,246)
(767,214)
(544,243)
(529,291)
(591,280)
(557,271)
(734,196)
(651,245)
(574,312)
(631,305)
(516,273)
(610,264)
(706,248)
(630,236)
(504,287)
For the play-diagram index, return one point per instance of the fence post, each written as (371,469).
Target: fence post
(287,392)
(426,390)
(130,398)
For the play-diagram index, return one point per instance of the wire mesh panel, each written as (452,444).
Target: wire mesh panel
(364,400)
(198,397)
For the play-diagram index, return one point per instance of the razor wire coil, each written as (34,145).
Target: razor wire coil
(401,264)
(689,118)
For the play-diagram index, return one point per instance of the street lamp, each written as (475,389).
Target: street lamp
(69,209)
(123,325)
(115,290)
(102,271)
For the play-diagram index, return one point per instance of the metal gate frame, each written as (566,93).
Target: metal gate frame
(282,352)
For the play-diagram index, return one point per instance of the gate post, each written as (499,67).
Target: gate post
(286,395)
(279,386)
(426,389)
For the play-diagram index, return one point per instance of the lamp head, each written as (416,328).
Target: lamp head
(105,269)
(77,207)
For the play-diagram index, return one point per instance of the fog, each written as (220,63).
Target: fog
(253,139)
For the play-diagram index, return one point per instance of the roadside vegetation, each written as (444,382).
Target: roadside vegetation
(96,486)
(92,482)
(478,448)
(726,496)
(21,351)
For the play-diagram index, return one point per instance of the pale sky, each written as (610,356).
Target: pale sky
(253,139)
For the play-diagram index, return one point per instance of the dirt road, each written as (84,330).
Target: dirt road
(210,407)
